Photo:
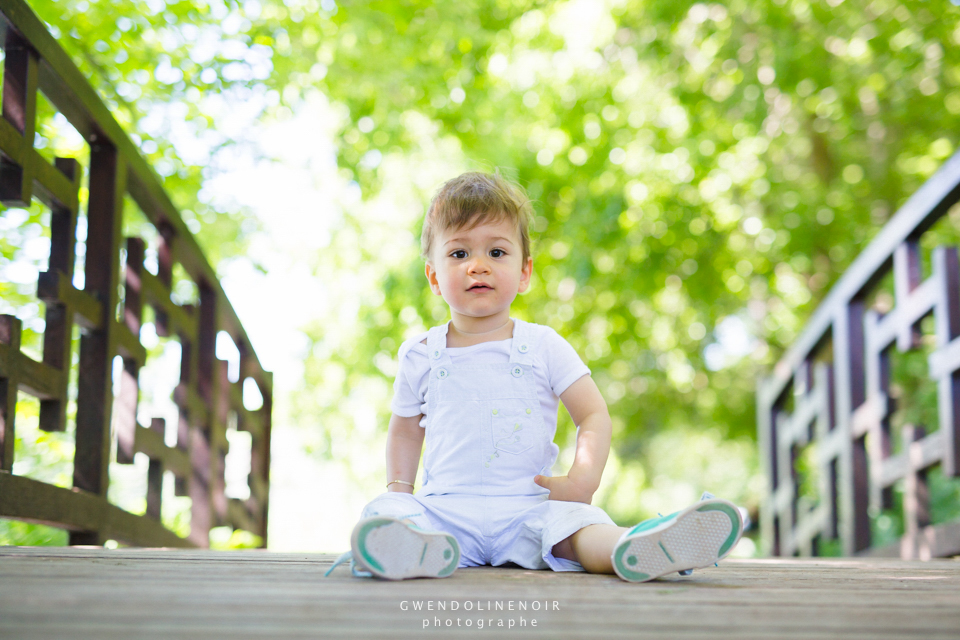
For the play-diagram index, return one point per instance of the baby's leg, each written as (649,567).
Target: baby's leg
(697,536)
(591,546)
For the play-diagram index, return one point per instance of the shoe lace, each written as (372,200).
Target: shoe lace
(355,568)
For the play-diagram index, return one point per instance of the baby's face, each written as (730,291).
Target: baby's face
(479,271)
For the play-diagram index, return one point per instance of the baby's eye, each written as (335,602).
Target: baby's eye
(498,253)
(459,254)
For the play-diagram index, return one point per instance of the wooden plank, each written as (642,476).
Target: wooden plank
(943,541)
(12,143)
(239,516)
(155,472)
(52,186)
(150,441)
(907,313)
(36,378)
(128,345)
(27,499)
(945,360)
(57,352)
(10,328)
(179,319)
(946,263)
(187,398)
(250,421)
(63,219)
(59,317)
(19,108)
(134,354)
(929,451)
(259,489)
(98,593)
(56,286)
(97,348)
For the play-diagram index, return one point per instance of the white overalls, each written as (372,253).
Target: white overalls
(485,441)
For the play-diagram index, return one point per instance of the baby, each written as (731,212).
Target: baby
(481,393)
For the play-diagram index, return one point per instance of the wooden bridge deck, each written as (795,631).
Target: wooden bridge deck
(152,593)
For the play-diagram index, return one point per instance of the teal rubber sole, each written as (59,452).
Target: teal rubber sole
(696,537)
(394,550)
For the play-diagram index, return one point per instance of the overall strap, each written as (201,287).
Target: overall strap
(523,346)
(437,347)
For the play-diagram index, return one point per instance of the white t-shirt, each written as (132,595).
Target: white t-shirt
(556,366)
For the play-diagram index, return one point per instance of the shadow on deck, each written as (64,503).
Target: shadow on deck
(153,593)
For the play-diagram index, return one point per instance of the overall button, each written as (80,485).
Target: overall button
(436,353)
(516,372)
(442,373)
(529,411)
(524,348)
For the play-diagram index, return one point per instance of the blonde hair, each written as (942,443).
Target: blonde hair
(473,199)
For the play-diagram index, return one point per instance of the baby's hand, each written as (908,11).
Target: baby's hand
(565,488)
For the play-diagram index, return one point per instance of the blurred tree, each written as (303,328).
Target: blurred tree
(702,172)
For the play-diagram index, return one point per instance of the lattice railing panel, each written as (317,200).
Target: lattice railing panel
(33,62)
(837,377)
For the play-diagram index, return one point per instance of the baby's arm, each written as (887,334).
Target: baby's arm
(589,412)
(404,442)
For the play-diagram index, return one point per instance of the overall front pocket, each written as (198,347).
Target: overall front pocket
(515,425)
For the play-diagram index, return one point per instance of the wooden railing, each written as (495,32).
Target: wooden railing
(206,399)
(832,391)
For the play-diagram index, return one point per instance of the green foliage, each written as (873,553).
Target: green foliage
(227,539)
(164,70)
(688,163)
(27,534)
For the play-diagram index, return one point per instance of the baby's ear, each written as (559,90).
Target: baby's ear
(431,274)
(525,275)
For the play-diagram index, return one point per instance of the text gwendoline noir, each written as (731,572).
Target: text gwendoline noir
(480,605)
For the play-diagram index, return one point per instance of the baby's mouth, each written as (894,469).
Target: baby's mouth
(480,287)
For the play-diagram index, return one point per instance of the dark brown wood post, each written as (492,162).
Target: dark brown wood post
(907,276)
(849,375)
(860,470)
(58,334)
(219,442)
(155,475)
(201,458)
(877,372)
(263,449)
(828,467)
(916,498)
(164,273)
(94,391)
(129,382)
(188,367)
(946,263)
(10,352)
(19,108)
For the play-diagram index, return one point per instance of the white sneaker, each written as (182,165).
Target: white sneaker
(698,536)
(395,550)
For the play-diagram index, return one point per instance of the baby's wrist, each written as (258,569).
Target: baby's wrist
(585,481)
(399,486)
(399,489)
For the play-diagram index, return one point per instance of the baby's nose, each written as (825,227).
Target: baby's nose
(479,265)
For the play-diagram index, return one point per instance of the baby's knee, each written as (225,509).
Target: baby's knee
(564,549)
(403,506)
